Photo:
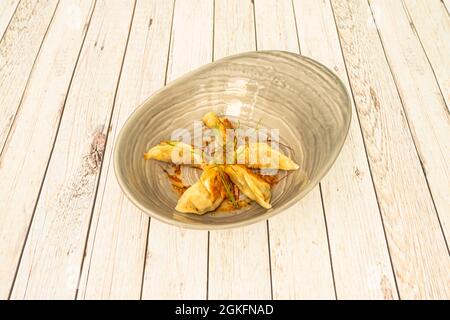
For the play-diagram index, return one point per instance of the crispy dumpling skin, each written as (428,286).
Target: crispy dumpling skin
(205,195)
(256,149)
(212,121)
(175,152)
(250,184)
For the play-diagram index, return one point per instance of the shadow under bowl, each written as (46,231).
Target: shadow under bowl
(300,97)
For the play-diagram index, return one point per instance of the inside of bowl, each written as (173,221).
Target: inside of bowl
(276,90)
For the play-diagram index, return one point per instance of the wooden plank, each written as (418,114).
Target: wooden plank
(239,266)
(24,159)
(424,105)
(299,252)
(300,258)
(7,10)
(417,246)
(18,50)
(431,23)
(176,264)
(361,263)
(446,4)
(234,28)
(114,262)
(51,262)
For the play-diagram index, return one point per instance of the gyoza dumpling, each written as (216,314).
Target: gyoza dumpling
(206,194)
(175,152)
(262,156)
(212,121)
(250,184)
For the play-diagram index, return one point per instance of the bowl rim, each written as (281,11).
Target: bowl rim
(270,212)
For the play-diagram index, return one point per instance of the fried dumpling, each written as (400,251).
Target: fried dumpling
(206,194)
(175,152)
(262,156)
(212,121)
(250,184)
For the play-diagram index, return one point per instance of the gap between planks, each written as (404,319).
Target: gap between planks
(417,248)
(15,105)
(106,142)
(19,144)
(7,11)
(71,281)
(166,75)
(431,155)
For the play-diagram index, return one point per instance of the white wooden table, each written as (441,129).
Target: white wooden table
(71,71)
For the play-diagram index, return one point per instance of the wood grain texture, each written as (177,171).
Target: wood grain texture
(25,156)
(65,221)
(7,10)
(239,266)
(431,23)
(18,50)
(415,239)
(424,105)
(176,264)
(446,4)
(300,258)
(51,262)
(362,270)
(114,262)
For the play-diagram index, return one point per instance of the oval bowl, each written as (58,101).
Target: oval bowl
(300,97)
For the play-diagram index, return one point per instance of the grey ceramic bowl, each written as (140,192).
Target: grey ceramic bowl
(280,90)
